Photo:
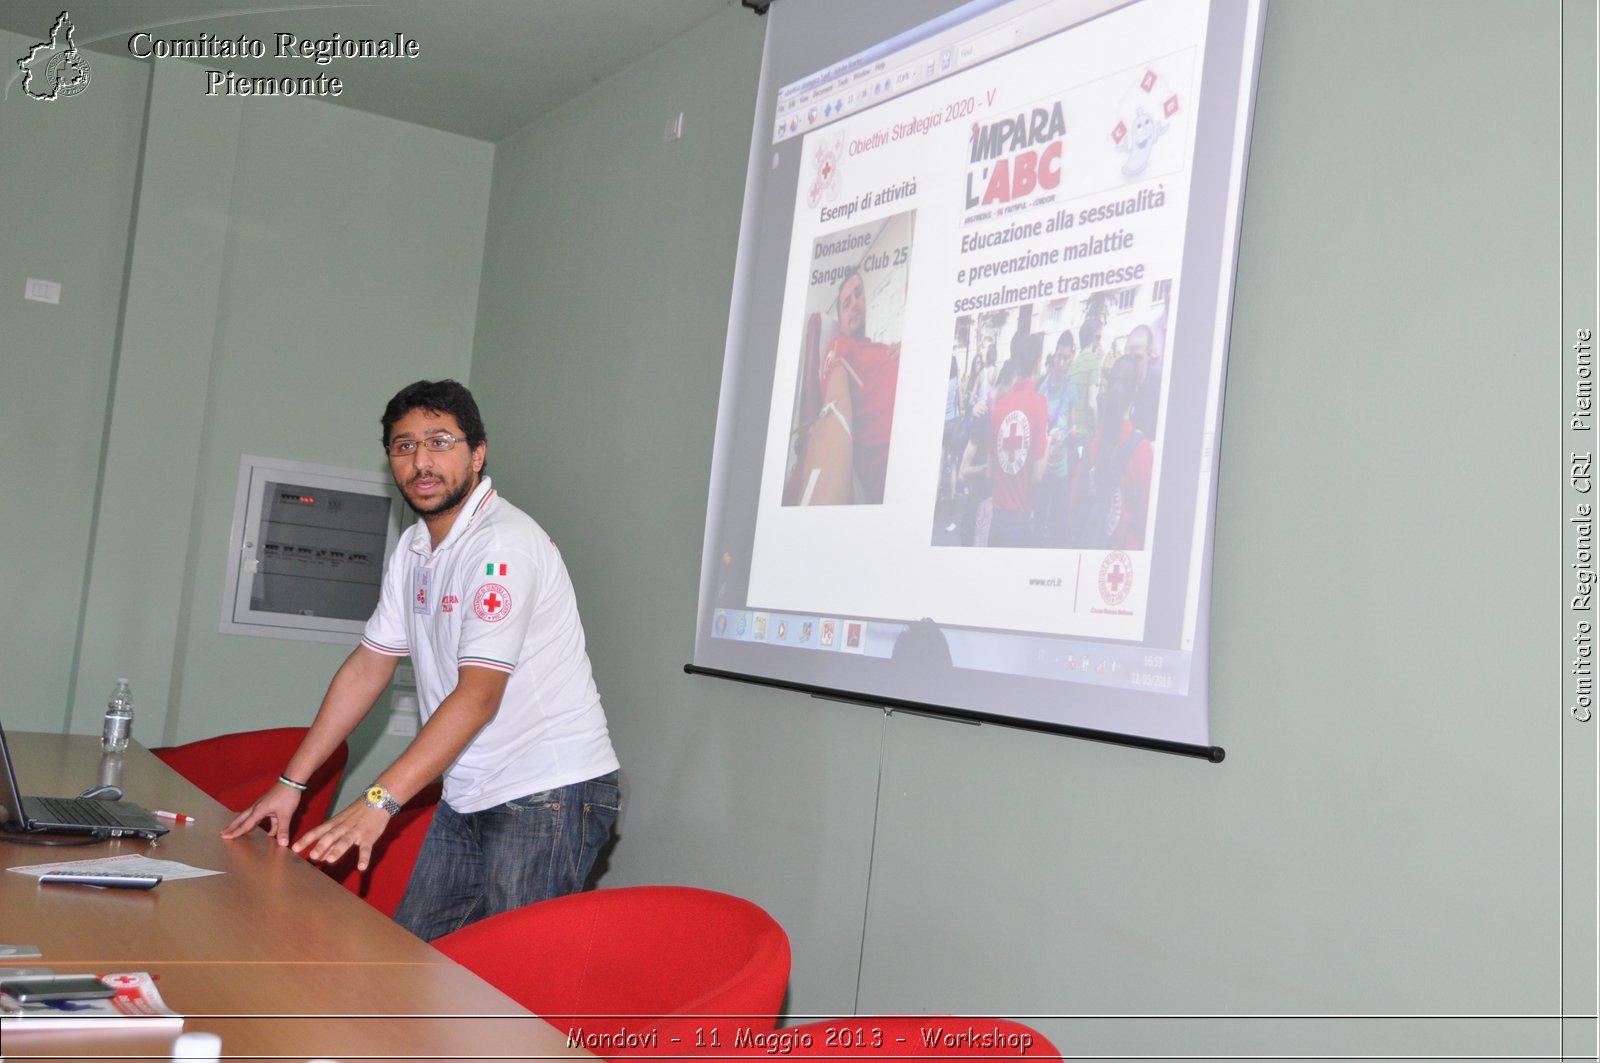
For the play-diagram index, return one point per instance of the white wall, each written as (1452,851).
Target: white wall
(239,277)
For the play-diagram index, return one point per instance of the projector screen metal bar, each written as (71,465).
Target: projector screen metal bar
(1214,754)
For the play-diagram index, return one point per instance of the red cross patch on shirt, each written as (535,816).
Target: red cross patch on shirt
(492,603)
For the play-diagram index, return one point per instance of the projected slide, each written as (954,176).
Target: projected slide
(974,378)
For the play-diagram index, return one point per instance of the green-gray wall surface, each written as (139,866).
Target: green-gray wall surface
(1384,837)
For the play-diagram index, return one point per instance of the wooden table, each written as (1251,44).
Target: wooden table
(273,955)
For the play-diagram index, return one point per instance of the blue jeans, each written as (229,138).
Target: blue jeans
(529,849)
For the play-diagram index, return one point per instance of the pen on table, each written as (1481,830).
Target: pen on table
(177,817)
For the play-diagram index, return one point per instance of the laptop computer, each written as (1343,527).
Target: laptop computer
(71,815)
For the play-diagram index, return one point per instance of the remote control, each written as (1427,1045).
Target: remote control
(115,879)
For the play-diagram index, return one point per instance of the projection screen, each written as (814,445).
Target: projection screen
(966,447)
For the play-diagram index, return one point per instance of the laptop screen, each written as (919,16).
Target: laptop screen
(10,795)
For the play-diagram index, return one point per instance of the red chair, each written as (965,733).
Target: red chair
(624,971)
(383,883)
(902,1037)
(236,769)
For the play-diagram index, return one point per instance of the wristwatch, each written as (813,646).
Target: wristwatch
(379,797)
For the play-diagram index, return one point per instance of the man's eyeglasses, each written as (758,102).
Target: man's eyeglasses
(404,448)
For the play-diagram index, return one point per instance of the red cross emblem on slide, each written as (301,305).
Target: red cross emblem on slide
(492,603)
(1013,439)
(1116,577)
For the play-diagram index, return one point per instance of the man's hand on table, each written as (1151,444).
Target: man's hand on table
(276,807)
(360,825)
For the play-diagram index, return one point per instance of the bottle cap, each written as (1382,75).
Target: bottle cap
(121,679)
(197,1045)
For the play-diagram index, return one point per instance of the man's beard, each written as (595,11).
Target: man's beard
(445,504)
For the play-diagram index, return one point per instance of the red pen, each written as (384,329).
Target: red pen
(177,817)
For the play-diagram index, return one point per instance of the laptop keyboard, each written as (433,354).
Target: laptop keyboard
(67,810)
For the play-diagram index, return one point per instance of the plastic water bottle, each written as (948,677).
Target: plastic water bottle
(119,719)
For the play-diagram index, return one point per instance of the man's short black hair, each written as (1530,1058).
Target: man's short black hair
(436,396)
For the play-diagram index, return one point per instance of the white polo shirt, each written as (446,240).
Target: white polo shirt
(495,594)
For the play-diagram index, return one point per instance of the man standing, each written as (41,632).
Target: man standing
(1147,399)
(1050,515)
(1083,385)
(1018,442)
(1111,486)
(478,596)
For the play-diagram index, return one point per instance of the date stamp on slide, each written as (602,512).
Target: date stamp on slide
(1580,591)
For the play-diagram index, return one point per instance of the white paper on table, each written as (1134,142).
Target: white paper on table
(132,864)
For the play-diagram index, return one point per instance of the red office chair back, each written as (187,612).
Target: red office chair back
(638,959)
(383,883)
(236,769)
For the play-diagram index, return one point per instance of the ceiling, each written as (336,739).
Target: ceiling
(485,68)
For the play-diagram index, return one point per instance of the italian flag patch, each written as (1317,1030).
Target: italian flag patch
(492,569)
